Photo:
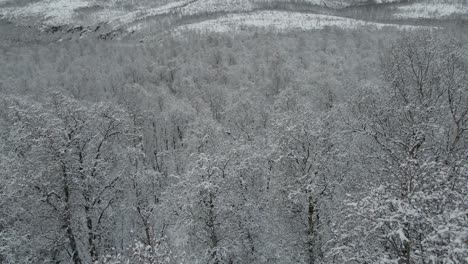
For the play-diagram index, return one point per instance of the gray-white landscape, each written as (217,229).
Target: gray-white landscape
(234,131)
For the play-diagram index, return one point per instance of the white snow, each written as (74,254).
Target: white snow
(345,3)
(131,17)
(65,12)
(387,1)
(401,234)
(431,10)
(211,6)
(62,12)
(280,21)
(55,12)
(185,8)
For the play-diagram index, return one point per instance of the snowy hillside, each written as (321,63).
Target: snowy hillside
(234,131)
(281,21)
(54,12)
(89,12)
(432,10)
(122,17)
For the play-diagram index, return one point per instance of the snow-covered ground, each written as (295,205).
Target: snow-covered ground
(63,12)
(386,1)
(211,6)
(183,8)
(431,10)
(140,14)
(66,12)
(280,21)
(242,15)
(337,3)
(52,12)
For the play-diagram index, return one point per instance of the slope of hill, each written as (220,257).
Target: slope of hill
(432,10)
(118,18)
(282,21)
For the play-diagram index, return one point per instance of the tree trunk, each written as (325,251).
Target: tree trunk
(67,219)
(211,225)
(91,236)
(312,221)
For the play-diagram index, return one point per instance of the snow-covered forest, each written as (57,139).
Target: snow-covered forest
(328,144)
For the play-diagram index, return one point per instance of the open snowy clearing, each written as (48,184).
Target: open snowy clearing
(211,6)
(281,21)
(431,11)
(53,12)
(141,14)
(92,12)
(182,8)
(89,12)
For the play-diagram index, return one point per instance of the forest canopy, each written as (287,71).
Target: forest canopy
(330,146)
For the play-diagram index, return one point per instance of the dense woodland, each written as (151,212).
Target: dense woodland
(329,146)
